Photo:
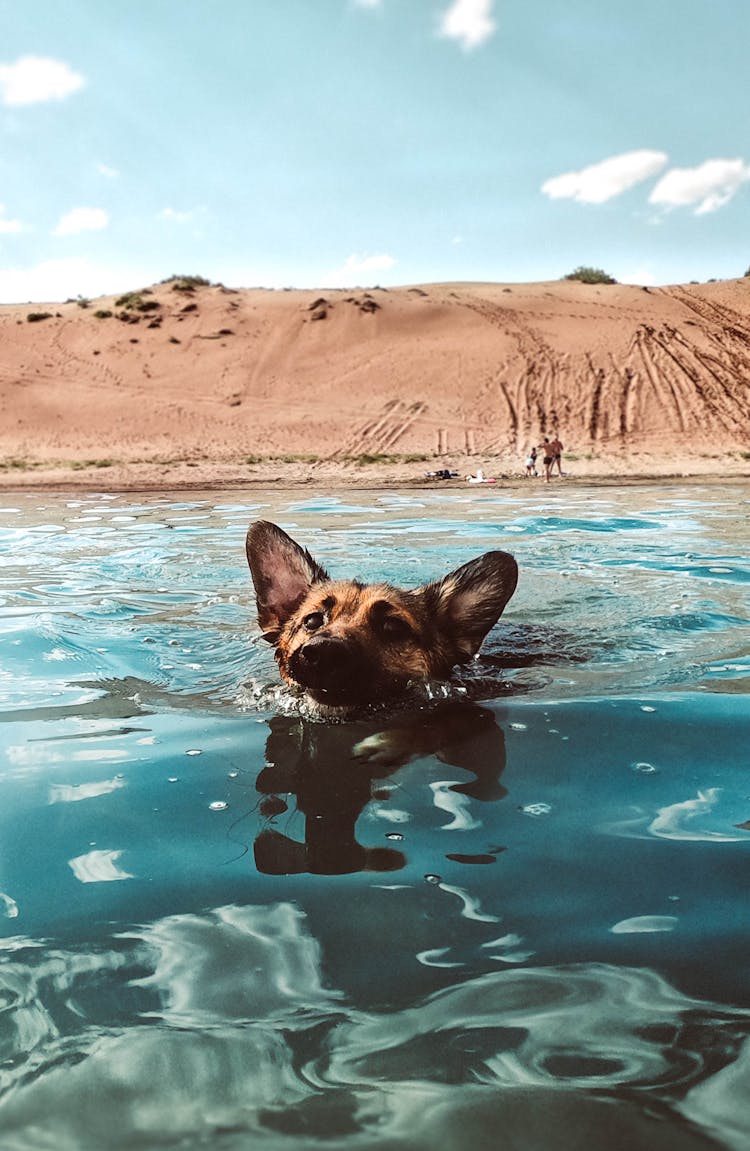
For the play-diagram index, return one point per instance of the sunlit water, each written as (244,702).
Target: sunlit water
(218,928)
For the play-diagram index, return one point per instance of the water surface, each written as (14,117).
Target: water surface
(218,927)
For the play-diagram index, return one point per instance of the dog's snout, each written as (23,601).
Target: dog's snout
(326,660)
(326,652)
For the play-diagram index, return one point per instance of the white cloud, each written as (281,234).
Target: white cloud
(37,79)
(469,22)
(601,182)
(367,3)
(641,274)
(176,215)
(8,227)
(356,269)
(709,186)
(107,172)
(81,220)
(54,280)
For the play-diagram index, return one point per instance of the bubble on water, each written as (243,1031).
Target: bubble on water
(517,726)
(173,779)
(194,751)
(647,708)
(218,805)
(536,809)
(432,879)
(644,768)
(396,836)
(232,774)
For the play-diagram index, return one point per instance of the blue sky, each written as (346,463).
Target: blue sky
(340,142)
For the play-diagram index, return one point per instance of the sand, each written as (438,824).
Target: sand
(210,386)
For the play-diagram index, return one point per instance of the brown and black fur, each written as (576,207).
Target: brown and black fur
(346,644)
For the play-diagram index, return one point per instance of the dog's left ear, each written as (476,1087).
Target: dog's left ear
(282,572)
(465,604)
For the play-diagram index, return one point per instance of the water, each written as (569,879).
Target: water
(224,925)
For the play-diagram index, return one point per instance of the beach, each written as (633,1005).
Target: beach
(187,384)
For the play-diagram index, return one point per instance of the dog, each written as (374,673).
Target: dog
(345,645)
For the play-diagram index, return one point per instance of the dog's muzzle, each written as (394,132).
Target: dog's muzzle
(330,664)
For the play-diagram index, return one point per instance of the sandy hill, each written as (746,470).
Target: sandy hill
(446,370)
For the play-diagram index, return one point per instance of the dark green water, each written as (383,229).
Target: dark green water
(219,927)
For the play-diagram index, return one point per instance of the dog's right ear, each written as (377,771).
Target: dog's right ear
(282,572)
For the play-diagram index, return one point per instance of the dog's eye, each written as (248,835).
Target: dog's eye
(395,627)
(313,621)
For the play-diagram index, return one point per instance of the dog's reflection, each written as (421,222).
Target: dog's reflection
(331,770)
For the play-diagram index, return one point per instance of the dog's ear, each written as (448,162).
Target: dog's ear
(465,604)
(282,572)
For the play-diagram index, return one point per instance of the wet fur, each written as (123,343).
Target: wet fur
(346,644)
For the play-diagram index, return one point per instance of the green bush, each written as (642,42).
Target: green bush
(102,313)
(187,283)
(586,275)
(35,317)
(129,300)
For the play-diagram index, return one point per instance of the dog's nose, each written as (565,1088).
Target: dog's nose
(325,652)
(327,659)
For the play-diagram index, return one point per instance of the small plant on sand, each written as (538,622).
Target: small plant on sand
(102,313)
(129,300)
(586,275)
(35,317)
(187,283)
(19,463)
(385,458)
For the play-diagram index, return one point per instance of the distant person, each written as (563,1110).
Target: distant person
(548,458)
(557,451)
(531,463)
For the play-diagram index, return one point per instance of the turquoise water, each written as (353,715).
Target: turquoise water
(219,928)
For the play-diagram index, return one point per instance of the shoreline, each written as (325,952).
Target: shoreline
(221,475)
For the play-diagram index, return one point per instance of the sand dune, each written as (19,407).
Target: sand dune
(636,380)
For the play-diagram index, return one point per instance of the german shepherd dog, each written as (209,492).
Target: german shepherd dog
(345,645)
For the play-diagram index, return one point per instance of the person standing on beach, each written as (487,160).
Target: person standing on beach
(531,463)
(557,451)
(548,457)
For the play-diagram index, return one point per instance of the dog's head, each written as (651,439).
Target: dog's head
(346,644)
